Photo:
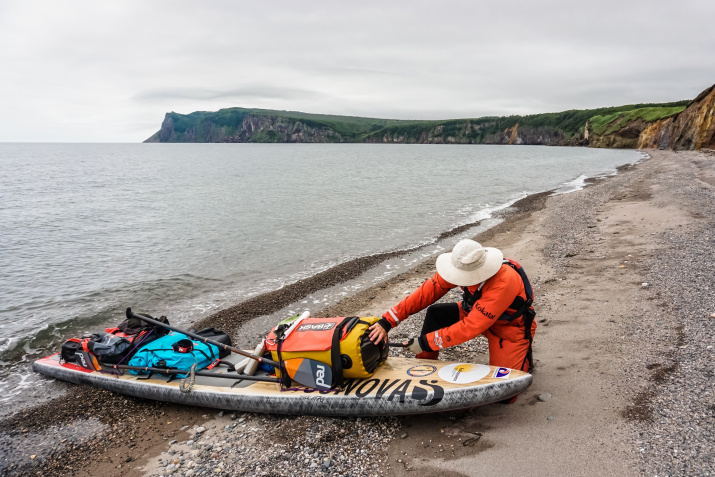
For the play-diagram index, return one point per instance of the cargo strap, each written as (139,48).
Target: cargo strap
(335,358)
(183,387)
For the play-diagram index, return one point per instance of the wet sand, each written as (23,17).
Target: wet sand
(626,366)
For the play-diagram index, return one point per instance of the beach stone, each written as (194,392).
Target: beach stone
(544,397)
(403,436)
(170,466)
(200,430)
(220,414)
(189,472)
(189,442)
(550,418)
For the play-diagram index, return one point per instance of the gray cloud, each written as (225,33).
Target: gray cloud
(247,93)
(108,71)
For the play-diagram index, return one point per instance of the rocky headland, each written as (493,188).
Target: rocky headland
(684,125)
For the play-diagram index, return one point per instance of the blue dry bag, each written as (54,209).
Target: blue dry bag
(174,351)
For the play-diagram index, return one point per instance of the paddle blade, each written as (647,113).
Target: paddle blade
(309,373)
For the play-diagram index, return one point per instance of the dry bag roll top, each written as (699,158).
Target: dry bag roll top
(314,338)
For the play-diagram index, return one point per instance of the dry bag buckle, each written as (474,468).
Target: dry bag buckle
(183,346)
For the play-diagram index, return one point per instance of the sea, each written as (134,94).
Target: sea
(185,230)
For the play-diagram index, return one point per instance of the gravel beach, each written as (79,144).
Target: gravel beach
(623,277)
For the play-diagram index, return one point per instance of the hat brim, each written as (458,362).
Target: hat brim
(463,278)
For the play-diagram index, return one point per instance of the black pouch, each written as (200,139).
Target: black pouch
(133,326)
(218,336)
(109,348)
(69,350)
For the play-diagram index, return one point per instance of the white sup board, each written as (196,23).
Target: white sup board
(399,386)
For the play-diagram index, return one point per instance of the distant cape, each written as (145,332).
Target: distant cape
(677,125)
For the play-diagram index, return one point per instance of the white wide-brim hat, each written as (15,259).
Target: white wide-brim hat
(469,263)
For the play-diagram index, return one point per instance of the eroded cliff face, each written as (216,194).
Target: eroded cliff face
(275,129)
(693,128)
(253,128)
(466,132)
(657,135)
(535,136)
(625,138)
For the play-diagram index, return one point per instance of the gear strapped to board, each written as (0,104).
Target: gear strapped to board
(342,343)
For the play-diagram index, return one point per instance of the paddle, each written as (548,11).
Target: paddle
(307,372)
(208,374)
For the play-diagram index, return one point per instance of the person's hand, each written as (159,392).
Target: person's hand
(377,334)
(413,345)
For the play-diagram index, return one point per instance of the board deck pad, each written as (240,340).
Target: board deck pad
(399,386)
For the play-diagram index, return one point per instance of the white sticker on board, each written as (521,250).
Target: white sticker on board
(463,373)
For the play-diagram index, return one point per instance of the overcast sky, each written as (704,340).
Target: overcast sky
(108,71)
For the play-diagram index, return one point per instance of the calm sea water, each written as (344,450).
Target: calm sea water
(185,229)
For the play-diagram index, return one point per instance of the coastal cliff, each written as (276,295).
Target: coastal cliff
(566,128)
(694,128)
(688,128)
(243,128)
(677,125)
(478,131)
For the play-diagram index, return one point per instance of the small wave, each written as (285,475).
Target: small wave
(15,384)
(572,186)
(9,344)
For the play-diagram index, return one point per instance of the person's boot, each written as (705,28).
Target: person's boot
(428,355)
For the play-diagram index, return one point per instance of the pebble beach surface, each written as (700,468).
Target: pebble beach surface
(643,239)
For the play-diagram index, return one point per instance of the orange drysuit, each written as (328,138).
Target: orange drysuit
(508,346)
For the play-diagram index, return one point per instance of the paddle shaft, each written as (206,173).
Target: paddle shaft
(401,345)
(235,377)
(204,339)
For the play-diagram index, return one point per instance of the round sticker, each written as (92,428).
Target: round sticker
(421,371)
(463,373)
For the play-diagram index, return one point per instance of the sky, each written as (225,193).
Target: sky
(108,71)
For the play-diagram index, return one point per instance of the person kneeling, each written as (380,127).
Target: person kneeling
(496,303)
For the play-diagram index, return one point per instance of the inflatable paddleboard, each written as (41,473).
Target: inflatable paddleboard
(399,386)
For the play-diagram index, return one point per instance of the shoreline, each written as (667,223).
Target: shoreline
(230,319)
(610,352)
